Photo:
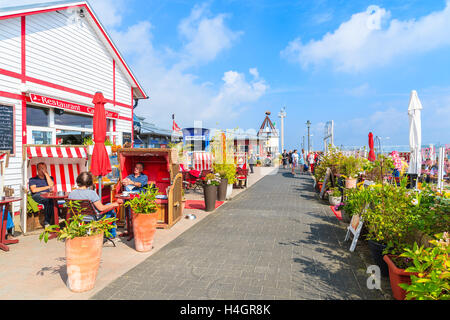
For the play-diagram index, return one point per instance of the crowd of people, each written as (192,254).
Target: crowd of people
(301,161)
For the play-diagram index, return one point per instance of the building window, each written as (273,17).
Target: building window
(37,116)
(72,120)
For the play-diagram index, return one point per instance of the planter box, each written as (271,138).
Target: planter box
(397,276)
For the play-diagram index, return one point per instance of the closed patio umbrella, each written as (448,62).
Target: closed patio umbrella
(371,156)
(415,134)
(100,165)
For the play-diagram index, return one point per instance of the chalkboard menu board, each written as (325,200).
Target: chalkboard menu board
(126,137)
(7,128)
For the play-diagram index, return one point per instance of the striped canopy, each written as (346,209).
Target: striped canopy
(57,152)
(203,161)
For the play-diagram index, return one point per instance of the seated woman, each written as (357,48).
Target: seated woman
(85,182)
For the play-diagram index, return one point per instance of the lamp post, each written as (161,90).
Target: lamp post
(308,124)
(282,115)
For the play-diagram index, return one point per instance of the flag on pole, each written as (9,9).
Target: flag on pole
(175,127)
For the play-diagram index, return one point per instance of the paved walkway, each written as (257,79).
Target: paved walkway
(273,241)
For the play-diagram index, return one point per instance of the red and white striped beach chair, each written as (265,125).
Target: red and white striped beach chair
(64,164)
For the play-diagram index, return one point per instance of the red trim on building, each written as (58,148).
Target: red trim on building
(23,75)
(132,119)
(114,98)
(10,95)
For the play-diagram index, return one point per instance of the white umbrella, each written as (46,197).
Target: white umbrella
(415,134)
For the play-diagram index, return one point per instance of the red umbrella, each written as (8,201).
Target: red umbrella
(371,152)
(100,165)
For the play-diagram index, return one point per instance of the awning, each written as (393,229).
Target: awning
(203,161)
(57,152)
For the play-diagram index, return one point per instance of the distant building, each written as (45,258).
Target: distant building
(268,138)
(148,135)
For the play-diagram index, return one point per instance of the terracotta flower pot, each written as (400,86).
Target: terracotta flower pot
(319,186)
(144,228)
(397,276)
(350,183)
(83,259)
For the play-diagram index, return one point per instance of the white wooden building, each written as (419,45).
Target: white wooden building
(53,58)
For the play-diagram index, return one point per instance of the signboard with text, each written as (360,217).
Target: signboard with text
(60,104)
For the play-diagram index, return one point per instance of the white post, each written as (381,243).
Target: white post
(440,181)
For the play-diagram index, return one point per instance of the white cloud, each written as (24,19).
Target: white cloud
(370,39)
(174,90)
(206,36)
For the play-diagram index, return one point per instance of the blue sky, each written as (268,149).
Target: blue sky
(227,62)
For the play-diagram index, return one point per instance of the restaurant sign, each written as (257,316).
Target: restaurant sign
(60,104)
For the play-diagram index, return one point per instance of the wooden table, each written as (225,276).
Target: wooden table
(55,196)
(3,231)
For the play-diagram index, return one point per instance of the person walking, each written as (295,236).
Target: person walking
(284,157)
(294,161)
(251,162)
(290,158)
(301,163)
(311,161)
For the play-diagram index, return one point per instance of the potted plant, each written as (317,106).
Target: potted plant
(334,196)
(258,163)
(389,221)
(220,169)
(429,271)
(210,185)
(397,274)
(84,242)
(145,216)
(350,167)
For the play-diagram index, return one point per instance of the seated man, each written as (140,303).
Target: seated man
(136,181)
(42,182)
(85,182)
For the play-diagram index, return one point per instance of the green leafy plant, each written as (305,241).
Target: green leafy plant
(226,171)
(389,217)
(76,227)
(331,160)
(108,142)
(335,192)
(432,267)
(350,166)
(144,202)
(88,141)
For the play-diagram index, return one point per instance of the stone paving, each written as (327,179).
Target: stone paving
(273,241)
